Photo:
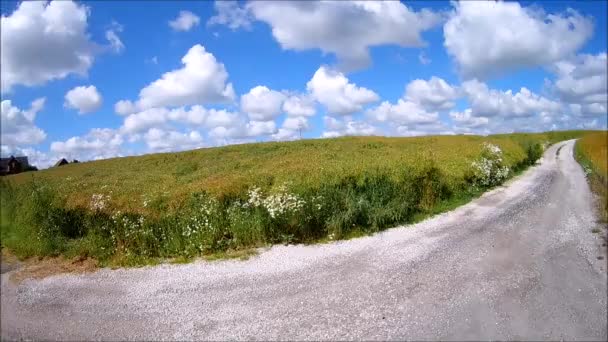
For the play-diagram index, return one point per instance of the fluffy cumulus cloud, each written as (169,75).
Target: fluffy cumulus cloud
(488,38)
(159,140)
(185,21)
(229,13)
(201,80)
(144,120)
(433,94)
(335,127)
(99,143)
(419,106)
(333,90)
(345,28)
(56,30)
(85,99)
(18,127)
(241,130)
(299,108)
(402,113)
(262,104)
(465,120)
(195,116)
(125,107)
(299,105)
(582,83)
(488,102)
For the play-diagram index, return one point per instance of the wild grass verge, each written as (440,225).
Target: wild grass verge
(39,219)
(592,153)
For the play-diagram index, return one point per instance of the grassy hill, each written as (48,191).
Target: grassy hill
(214,199)
(230,170)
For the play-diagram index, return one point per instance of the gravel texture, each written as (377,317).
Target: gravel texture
(518,263)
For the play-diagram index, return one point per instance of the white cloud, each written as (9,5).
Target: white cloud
(299,105)
(240,130)
(488,38)
(115,43)
(347,126)
(345,28)
(229,13)
(466,119)
(292,128)
(489,102)
(582,82)
(185,21)
(423,59)
(159,140)
(84,99)
(261,103)
(284,134)
(17,126)
(99,143)
(434,94)
(144,120)
(221,118)
(257,128)
(295,123)
(332,89)
(125,107)
(56,30)
(201,80)
(413,131)
(198,116)
(402,113)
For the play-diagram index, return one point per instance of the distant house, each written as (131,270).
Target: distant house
(13,165)
(61,161)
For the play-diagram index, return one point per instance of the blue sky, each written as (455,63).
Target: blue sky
(265,71)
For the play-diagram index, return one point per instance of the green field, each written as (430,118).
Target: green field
(592,154)
(135,209)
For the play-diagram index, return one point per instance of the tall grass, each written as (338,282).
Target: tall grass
(334,196)
(592,154)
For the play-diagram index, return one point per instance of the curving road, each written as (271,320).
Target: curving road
(518,263)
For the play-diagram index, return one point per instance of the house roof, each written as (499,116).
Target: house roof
(4,162)
(61,161)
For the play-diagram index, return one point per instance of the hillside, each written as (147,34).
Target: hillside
(211,200)
(231,170)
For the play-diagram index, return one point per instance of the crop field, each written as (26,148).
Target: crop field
(136,209)
(592,154)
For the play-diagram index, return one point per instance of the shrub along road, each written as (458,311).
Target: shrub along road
(520,262)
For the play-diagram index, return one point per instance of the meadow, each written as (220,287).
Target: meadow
(592,154)
(136,210)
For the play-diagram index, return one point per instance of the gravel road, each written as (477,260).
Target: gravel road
(518,263)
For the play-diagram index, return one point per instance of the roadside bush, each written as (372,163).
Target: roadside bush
(533,153)
(488,170)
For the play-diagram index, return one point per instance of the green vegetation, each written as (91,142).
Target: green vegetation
(592,154)
(223,201)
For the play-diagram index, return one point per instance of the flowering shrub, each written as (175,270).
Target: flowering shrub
(489,169)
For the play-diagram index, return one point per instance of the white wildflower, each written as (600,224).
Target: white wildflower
(489,169)
(99,201)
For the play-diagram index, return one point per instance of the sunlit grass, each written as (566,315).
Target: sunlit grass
(592,153)
(179,206)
